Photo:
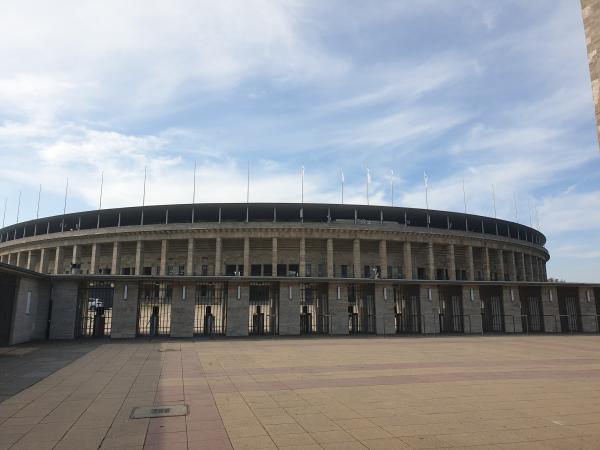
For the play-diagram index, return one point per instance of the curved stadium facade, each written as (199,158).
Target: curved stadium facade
(286,269)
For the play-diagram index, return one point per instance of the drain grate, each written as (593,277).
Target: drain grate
(142,412)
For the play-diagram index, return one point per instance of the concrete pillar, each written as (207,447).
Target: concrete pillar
(383,258)
(94,259)
(512,309)
(545,274)
(430,308)
(183,310)
(28,265)
(116,256)
(500,264)
(164,248)
(139,257)
(550,309)
(302,267)
(338,308)
(512,268)
(539,269)
(384,309)
(522,267)
(43,263)
(218,257)
(124,314)
(587,304)
(356,258)
(189,268)
(472,309)
(451,263)
(58,259)
(246,257)
(530,269)
(274,257)
(487,276)
(237,309)
(75,257)
(289,309)
(470,263)
(430,262)
(407,260)
(18,263)
(64,309)
(330,273)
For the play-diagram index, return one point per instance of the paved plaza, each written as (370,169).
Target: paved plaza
(334,393)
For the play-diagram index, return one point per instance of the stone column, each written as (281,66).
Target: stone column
(356,258)
(43,264)
(94,259)
(512,274)
(64,309)
(472,308)
(75,257)
(237,309)
(500,264)
(512,309)
(164,248)
(430,308)
(384,309)
(330,273)
(302,266)
(18,263)
(587,304)
(487,276)
(289,309)
(530,269)
(545,275)
(430,262)
(470,263)
(522,268)
(189,268)
(29,254)
(218,257)
(451,263)
(274,257)
(58,259)
(383,258)
(550,309)
(182,310)
(139,257)
(124,319)
(246,257)
(338,309)
(115,266)
(407,260)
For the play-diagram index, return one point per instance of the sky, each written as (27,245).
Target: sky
(492,93)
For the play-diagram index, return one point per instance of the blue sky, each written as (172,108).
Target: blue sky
(489,92)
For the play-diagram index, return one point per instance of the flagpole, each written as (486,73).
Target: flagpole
(248,185)
(4,214)
(392,182)
(342,172)
(529,206)
(144,192)
(464,195)
(302,183)
(62,225)
(18,207)
(368,180)
(101,190)
(37,214)
(494,199)
(426,191)
(194,192)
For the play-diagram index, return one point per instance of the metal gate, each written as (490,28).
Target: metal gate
(211,309)
(532,315)
(263,309)
(94,309)
(8,287)
(407,308)
(492,310)
(314,309)
(451,310)
(154,309)
(361,308)
(569,309)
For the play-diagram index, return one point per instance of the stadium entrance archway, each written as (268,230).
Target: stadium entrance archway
(451,309)
(532,312)
(154,309)
(94,309)
(407,308)
(361,309)
(492,310)
(8,286)
(569,309)
(263,310)
(314,309)
(211,309)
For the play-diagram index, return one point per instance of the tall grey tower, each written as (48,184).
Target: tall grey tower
(591,22)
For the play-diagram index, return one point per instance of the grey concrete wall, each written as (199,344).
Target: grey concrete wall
(237,309)
(124,320)
(183,310)
(588,310)
(472,309)
(64,309)
(384,309)
(430,308)
(30,324)
(512,308)
(338,309)
(289,309)
(550,308)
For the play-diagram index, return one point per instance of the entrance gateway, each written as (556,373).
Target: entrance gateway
(407,309)
(94,309)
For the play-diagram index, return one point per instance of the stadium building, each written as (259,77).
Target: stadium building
(280,269)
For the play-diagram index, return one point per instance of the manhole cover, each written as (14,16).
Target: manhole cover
(142,412)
